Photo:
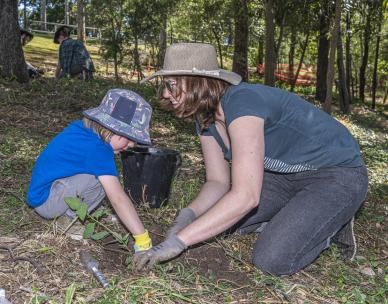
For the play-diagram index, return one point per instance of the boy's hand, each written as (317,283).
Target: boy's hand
(166,250)
(185,217)
(143,242)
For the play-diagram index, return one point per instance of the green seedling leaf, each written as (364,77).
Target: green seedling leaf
(118,237)
(99,214)
(89,230)
(70,291)
(100,235)
(73,202)
(82,211)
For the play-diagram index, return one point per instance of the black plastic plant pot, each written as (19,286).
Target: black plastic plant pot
(148,173)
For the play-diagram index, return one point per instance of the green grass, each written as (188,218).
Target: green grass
(30,115)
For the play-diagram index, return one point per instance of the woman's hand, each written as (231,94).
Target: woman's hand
(167,250)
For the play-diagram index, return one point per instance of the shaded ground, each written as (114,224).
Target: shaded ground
(38,264)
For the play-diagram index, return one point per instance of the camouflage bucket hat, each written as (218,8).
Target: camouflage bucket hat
(125,113)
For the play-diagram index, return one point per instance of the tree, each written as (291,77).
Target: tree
(333,48)
(270,53)
(240,55)
(343,89)
(66,11)
(81,20)
(365,53)
(323,52)
(374,80)
(12,63)
(43,15)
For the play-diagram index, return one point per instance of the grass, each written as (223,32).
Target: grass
(217,272)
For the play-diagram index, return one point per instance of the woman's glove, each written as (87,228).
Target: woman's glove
(185,217)
(142,242)
(166,250)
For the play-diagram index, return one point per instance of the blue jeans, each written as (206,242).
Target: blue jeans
(304,211)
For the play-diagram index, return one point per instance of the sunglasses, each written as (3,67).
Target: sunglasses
(169,85)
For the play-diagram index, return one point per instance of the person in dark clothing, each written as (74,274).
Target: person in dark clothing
(275,164)
(26,37)
(74,59)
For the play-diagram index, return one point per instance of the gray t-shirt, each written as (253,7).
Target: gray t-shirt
(298,136)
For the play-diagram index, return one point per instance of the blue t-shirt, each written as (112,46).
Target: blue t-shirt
(76,150)
(298,136)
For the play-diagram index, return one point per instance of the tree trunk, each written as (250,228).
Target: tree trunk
(43,15)
(304,47)
(270,55)
(374,81)
(323,52)
(81,20)
(365,55)
(280,38)
(136,59)
(12,63)
(343,90)
(348,55)
(240,54)
(291,53)
(25,14)
(260,52)
(162,44)
(333,48)
(66,11)
(219,46)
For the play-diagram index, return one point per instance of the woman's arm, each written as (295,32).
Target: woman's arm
(122,204)
(247,141)
(217,176)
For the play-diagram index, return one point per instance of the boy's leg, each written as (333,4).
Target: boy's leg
(276,192)
(298,233)
(85,186)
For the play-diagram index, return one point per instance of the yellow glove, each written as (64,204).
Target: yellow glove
(142,242)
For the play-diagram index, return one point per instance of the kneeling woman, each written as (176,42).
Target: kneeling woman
(274,163)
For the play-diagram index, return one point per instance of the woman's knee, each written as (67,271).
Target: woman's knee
(272,263)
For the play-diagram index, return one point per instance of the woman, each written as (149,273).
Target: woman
(270,157)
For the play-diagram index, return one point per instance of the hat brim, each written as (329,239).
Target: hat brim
(230,77)
(96,115)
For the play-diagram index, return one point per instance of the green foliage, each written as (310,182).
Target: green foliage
(94,219)
(70,291)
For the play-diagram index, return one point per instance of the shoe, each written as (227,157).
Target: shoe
(346,241)
(71,227)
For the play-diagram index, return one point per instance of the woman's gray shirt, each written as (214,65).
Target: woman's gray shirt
(298,136)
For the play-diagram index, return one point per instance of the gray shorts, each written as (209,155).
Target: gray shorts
(84,186)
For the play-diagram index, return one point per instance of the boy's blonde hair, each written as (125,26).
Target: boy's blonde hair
(104,133)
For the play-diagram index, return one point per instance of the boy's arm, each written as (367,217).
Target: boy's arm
(122,204)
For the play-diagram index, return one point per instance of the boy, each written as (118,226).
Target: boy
(79,161)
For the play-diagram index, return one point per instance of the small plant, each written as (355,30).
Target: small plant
(81,209)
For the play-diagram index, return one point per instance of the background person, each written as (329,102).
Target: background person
(74,59)
(270,157)
(26,37)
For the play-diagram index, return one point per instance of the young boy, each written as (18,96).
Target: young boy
(79,162)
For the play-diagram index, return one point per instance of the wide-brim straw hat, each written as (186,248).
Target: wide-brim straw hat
(193,59)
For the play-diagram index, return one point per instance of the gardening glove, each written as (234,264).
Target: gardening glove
(166,250)
(185,217)
(142,242)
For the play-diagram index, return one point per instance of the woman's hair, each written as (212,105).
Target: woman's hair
(104,133)
(201,97)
